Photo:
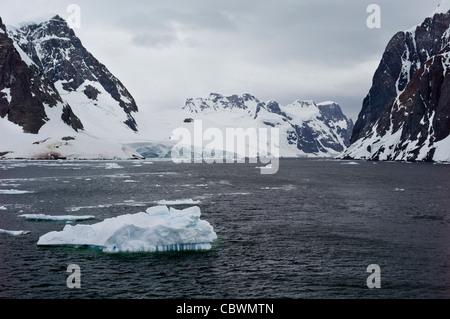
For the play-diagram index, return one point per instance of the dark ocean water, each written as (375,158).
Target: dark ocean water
(309,231)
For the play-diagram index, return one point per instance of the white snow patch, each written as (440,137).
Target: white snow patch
(25,58)
(442,153)
(7,92)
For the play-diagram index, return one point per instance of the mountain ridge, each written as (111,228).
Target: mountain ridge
(52,88)
(312,129)
(406,114)
(68,98)
(59,56)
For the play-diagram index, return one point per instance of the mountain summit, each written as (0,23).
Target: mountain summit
(57,100)
(406,115)
(50,84)
(306,128)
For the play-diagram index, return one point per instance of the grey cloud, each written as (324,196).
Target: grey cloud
(264,37)
(161,18)
(157,41)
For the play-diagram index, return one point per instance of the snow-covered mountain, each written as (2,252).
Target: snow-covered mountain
(306,128)
(406,115)
(58,99)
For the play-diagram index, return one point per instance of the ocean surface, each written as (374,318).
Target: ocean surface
(309,231)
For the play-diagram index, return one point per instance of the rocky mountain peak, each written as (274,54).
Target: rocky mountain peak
(2,26)
(308,129)
(405,116)
(73,73)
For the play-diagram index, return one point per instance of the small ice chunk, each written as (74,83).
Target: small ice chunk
(267,166)
(112,166)
(13,192)
(14,232)
(3,208)
(179,202)
(62,218)
(157,229)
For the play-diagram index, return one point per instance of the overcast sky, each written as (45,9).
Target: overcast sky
(165,51)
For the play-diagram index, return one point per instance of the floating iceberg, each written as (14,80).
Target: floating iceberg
(179,202)
(63,218)
(350,163)
(157,229)
(13,192)
(112,166)
(14,232)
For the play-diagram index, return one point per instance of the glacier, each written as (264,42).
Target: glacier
(157,229)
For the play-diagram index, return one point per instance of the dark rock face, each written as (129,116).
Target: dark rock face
(407,110)
(57,56)
(29,89)
(310,140)
(422,111)
(332,113)
(91,92)
(405,54)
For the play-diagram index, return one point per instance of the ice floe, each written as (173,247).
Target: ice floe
(13,192)
(14,232)
(157,229)
(112,166)
(61,218)
(179,202)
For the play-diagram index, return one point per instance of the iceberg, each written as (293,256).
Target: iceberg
(112,166)
(157,229)
(14,232)
(350,163)
(63,218)
(13,192)
(179,202)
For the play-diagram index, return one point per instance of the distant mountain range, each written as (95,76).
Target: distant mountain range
(57,100)
(306,128)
